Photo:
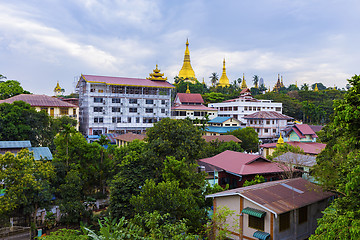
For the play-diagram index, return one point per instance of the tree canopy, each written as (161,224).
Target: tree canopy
(10,88)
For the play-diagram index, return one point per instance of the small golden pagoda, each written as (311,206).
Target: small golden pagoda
(224,80)
(280,140)
(277,85)
(187,90)
(187,72)
(243,83)
(156,75)
(58,90)
(282,83)
(316,88)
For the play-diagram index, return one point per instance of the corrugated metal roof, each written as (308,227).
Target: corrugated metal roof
(128,137)
(277,198)
(137,82)
(267,115)
(297,159)
(15,144)
(39,101)
(307,147)
(221,138)
(220,130)
(41,153)
(219,119)
(190,97)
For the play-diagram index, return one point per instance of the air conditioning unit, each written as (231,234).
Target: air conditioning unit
(138,113)
(103,112)
(121,113)
(138,104)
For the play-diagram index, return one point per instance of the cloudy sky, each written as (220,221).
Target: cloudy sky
(42,42)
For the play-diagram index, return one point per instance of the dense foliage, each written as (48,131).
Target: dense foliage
(10,88)
(338,168)
(249,138)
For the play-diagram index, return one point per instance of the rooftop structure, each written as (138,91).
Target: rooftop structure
(243,83)
(156,75)
(126,138)
(121,105)
(187,71)
(221,138)
(39,153)
(301,133)
(312,148)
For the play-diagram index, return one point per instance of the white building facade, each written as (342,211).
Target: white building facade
(245,105)
(121,105)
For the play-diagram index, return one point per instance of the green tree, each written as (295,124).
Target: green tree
(26,182)
(256,81)
(65,234)
(214,79)
(10,88)
(257,179)
(249,138)
(338,168)
(215,147)
(213,97)
(319,85)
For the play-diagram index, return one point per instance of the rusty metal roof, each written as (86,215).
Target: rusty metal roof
(280,196)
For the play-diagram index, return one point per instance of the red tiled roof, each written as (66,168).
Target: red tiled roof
(222,138)
(38,101)
(137,82)
(308,147)
(316,128)
(267,115)
(242,163)
(305,130)
(128,137)
(280,196)
(245,90)
(190,98)
(192,107)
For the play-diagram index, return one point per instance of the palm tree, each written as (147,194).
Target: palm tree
(214,78)
(305,87)
(67,131)
(256,80)
(102,141)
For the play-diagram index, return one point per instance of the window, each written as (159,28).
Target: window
(98,100)
(182,113)
(129,119)
(97,132)
(245,108)
(259,108)
(257,223)
(100,90)
(149,110)
(44,109)
(98,109)
(64,111)
(118,89)
(133,110)
(98,120)
(116,119)
(221,109)
(115,109)
(132,101)
(116,100)
(196,113)
(163,102)
(149,101)
(267,122)
(284,221)
(266,130)
(137,120)
(278,109)
(163,110)
(74,111)
(303,214)
(274,130)
(250,108)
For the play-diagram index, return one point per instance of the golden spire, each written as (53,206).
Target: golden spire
(296,84)
(280,140)
(224,80)
(316,88)
(156,75)
(203,82)
(188,90)
(57,89)
(282,83)
(243,83)
(186,71)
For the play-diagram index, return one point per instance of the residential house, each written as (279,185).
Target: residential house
(121,105)
(244,105)
(51,105)
(222,125)
(191,105)
(234,168)
(278,210)
(39,153)
(268,124)
(125,139)
(310,148)
(300,133)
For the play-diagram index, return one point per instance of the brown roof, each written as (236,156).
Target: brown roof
(280,196)
(190,98)
(38,101)
(267,115)
(222,138)
(128,137)
(316,128)
(308,147)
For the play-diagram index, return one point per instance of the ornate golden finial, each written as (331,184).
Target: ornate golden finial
(243,83)
(280,140)
(58,90)
(296,84)
(316,88)
(282,83)
(187,71)
(224,80)
(188,90)
(156,75)
(203,82)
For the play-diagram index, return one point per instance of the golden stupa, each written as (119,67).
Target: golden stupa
(243,83)
(187,72)
(58,90)
(224,80)
(156,75)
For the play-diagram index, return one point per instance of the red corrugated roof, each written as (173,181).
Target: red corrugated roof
(39,101)
(190,98)
(267,115)
(192,107)
(221,138)
(305,129)
(242,163)
(137,82)
(307,147)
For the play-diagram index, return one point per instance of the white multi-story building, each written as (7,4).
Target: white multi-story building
(121,105)
(245,105)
